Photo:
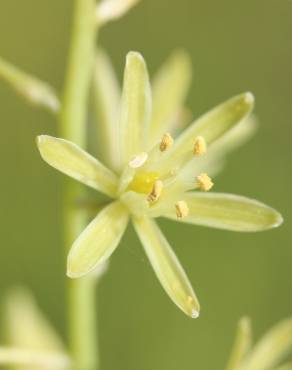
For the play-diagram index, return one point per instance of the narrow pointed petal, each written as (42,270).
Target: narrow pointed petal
(33,359)
(272,348)
(229,212)
(241,345)
(211,126)
(214,160)
(26,326)
(98,241)
(106,101)
(109,10)
(167,267)
(170,87)
(135,109)
(33,90)
(70,159)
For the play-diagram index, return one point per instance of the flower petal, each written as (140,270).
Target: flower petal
(109,10)
(98,241)
(33,359)
(241,345)
(106,101)
(166,266)
(70,159)
(272,348)
(135,109)
(170,87)
(212,126)
(26,326)
(35,91)
(230,212)
(214,160)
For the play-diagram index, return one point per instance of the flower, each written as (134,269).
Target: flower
(267,353)
(31,341)
(149,174)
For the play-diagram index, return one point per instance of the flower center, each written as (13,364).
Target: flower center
(143,182)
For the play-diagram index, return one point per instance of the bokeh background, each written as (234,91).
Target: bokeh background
(235,46)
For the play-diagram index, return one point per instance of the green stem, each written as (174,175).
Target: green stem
(73,117)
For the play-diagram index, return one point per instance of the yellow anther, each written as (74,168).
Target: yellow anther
(139,160)
(182,209)
(204,182)
(156,191)
(200,146)
(166,142)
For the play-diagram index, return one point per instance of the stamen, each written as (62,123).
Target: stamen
(200,146)
(166,142)
(204,182)
(139,160)
(182,209)
(156,191)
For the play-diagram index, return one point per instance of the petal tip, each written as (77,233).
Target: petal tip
(195,314)
(249,98)
(278,220)
(134,57)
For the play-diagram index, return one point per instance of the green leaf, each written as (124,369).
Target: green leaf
(33,90)
(166,266)
(98,241)
(230,212)
(241,345)
(106,102)
(271,349)
(170,87)
(70,159)
(135,109)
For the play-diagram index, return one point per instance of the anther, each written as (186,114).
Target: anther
(200,146)
(204,182)
(166,142)
(182,209)
(156,191)
(139,160)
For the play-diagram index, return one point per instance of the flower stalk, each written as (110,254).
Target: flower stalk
(72,126)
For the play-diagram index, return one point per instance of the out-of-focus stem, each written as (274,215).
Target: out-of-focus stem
(82,326)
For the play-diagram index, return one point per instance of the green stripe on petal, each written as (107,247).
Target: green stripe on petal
(106,102)
(70,159)
(211,126)
(98,241)
(230,212)
(136,107)
(241,345)
(167,267)
(271,349)
(170,87)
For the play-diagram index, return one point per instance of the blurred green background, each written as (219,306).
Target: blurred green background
(235,46)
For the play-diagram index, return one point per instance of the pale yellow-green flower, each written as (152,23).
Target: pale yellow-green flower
(148,174)
(31,342)
(267,354)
